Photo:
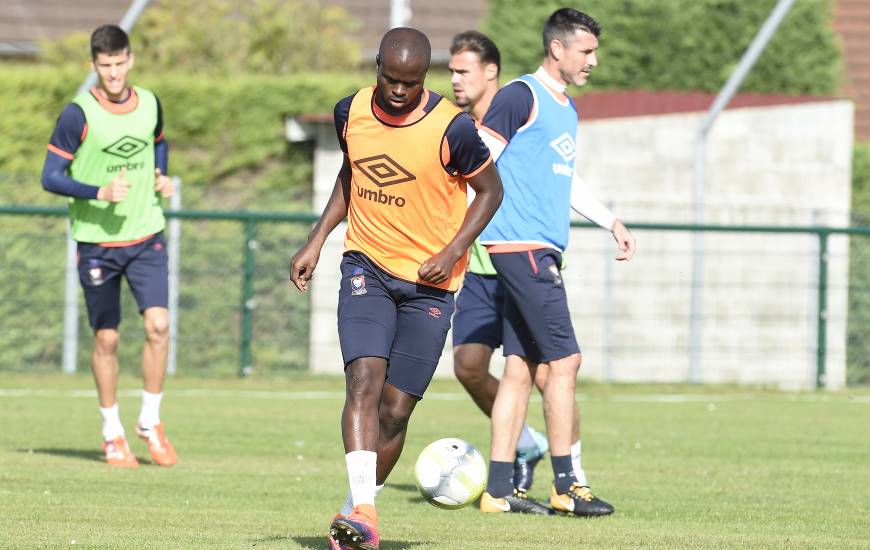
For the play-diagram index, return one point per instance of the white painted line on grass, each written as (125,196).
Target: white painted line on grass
(443,396)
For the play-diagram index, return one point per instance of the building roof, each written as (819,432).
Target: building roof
(440,20)
(24,22)
(628,103)
(853,23)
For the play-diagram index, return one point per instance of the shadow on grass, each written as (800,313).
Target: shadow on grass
(319,543)
(407,487)
(93,455)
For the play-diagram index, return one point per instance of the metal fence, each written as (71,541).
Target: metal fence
(238,314)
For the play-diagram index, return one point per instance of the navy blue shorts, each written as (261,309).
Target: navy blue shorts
(537,322)
(144,265)
(403,322)
(479,306)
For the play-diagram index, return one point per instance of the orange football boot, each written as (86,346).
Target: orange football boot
(118,453)
(162,451)
(357,531)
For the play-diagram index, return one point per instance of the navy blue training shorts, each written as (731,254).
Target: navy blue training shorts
(403,322)
(479,306)
(537,324)
(144,265)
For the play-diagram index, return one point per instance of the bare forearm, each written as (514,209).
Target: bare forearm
(335,210)
(480,211)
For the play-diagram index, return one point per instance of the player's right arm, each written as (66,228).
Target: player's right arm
(304,262)
(65,141)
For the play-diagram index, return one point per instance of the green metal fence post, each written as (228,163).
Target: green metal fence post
(821,344)
(247,321)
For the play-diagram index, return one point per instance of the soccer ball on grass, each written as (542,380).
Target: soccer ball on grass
(450,473)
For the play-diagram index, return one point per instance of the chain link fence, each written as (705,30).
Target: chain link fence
(239,314)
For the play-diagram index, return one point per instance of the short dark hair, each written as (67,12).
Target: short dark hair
(479,43)
(109,39)
(565,22)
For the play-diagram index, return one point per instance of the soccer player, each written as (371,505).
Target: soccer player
(409,154)
(108,154)
(530,127)
(475,64)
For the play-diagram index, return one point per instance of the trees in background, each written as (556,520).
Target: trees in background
(683,44)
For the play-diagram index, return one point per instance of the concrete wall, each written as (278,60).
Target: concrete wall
(788,165)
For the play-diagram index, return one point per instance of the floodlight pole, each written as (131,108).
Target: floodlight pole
(750,56)
(71,288)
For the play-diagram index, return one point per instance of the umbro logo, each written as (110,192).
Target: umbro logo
(126,147)
(383,171)
(564,145)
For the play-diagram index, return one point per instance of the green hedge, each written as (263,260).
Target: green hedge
(226,135)
(858,350)
(222,133)
(682,44)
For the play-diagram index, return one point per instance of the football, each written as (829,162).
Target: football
(450,473)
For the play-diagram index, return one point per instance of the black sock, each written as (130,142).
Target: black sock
(563,473)
(501,478)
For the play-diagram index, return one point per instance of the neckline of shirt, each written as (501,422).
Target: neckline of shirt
(117,108)
(551,82)
(406,119)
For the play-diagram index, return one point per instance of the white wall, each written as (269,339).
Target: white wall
(786,165)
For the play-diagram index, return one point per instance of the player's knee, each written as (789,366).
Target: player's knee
(106,341)
(394,419)
(517,376)
(157,328)
(467,373)
(363,382)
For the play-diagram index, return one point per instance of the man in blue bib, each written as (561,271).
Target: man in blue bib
(530,128)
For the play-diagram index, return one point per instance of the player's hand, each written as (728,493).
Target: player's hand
(117,190)
(163,184)
(302,266)
(624,241)
(439,267)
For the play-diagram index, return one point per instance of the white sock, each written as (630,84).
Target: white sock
(149,416)
(347,508)
(575,461)
(112,427)
(361,474)
(526,438)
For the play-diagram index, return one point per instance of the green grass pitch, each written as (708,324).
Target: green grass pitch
(261,466)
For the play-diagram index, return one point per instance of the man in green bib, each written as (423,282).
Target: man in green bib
(108,155)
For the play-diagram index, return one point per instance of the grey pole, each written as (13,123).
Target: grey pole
(173,248)
(400,13)
(71,288)
(608,304)
(750,56)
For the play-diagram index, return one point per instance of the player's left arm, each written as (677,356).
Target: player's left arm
(585,204)
(162,182)
(471,158)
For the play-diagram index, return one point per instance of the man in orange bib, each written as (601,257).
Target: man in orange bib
(409,154)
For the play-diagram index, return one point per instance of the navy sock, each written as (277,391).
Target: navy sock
(501,478)
(563,473)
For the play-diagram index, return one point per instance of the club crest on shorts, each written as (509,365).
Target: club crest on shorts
(95,273)
(435,312)
(358,283)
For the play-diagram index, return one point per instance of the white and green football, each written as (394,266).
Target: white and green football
(450,473)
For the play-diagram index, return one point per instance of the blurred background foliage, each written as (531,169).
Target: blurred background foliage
(683,44)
